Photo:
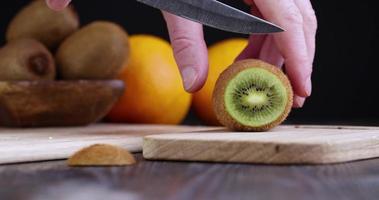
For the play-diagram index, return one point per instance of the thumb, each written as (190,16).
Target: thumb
(57,4)
(190,51)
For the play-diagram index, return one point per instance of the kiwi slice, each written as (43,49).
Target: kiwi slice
(97,51)
(38,21)
(252,95)
(26,59)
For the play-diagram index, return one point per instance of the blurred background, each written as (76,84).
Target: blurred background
(345,77)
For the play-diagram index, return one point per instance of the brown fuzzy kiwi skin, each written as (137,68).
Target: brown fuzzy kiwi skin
(102,155)
(38,21)
(26,59)
(97,51)
(218,95)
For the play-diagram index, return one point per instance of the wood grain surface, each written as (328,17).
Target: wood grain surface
(153,180)
(38,144)
(283,145)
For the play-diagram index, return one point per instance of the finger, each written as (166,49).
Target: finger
(253,49)
(270,53)
(249,2)
(57,4)
(310,25)
(298,102)
(290,43)
(190,51)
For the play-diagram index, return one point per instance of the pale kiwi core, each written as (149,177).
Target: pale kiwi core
(255,97)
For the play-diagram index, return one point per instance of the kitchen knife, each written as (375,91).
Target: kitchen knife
(215,14)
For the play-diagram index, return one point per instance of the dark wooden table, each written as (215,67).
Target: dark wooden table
(179,180)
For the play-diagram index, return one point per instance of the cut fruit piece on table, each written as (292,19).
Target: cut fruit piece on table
(252,95)
(101,155)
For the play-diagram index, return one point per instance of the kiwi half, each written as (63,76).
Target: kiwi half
(252,95)
(26,59)
(39,22)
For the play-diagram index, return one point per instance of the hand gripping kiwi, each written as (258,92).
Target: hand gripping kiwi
(252,95)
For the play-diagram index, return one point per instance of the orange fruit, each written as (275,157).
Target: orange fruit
(221,55)
(154,93)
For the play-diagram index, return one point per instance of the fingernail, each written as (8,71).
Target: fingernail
(298,102)
(308,86)
(189,76)
(57,4)
(301,102)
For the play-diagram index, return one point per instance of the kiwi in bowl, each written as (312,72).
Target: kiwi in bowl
(252,95)
(99,50)
(26,60)
(39,22)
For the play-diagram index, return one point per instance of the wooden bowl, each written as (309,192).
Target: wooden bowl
(57,103)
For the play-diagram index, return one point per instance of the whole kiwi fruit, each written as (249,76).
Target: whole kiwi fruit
(97,51)
(38,21)
(26,59)
(252,95)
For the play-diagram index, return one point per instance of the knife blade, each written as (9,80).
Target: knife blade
(215,14)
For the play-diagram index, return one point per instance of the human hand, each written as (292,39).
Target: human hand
(295,48)
(188,43)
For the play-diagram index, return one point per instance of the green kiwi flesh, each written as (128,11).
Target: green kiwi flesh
(252,96)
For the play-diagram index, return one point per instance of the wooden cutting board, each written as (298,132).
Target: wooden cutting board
(283,145)
(25,145)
